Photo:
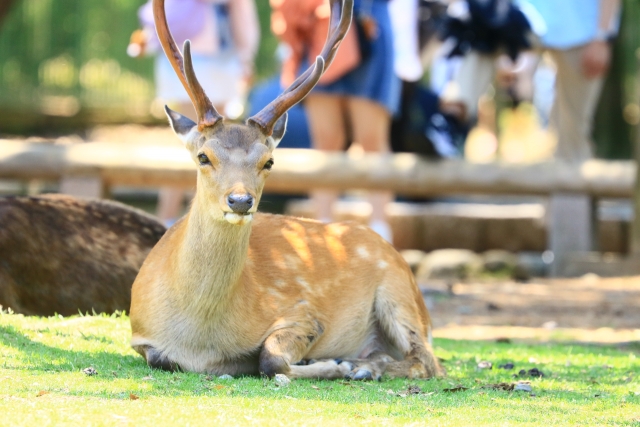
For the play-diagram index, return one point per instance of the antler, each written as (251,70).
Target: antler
(207,114)
(341,13)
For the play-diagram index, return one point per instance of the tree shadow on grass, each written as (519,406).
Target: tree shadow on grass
(36,356)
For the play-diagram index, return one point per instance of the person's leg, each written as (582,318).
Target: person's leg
(576,98)
(370,123)
(325,113)
(402,121)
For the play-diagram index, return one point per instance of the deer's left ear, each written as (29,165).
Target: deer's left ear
(185,128)
(278,130)
(180,124)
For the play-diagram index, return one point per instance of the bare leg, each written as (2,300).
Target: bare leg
(371,123)
(327,126)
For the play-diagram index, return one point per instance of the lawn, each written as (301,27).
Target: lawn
(44,381)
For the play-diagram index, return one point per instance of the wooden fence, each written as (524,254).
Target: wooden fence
(91,169)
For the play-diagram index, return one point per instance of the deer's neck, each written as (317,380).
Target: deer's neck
(212,259)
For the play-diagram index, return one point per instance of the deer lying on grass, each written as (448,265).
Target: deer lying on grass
(228,290)
(60,254)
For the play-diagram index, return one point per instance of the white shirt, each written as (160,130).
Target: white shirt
(404,24)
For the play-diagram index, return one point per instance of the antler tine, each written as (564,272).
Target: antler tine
(207,114)
(341,13)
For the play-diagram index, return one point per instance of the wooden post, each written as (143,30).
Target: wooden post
(571,227)
(634,241)
(82,186)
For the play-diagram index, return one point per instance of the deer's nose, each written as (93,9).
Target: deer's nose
(240,203)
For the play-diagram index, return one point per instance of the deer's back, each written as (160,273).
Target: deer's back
(60,254)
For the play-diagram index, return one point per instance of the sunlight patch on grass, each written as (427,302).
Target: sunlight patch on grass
(42,383)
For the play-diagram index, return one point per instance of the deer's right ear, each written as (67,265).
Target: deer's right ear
(180,124)
(279,129)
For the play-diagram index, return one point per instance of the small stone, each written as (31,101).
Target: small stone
(493,307)
(282,380)
(448,265)
(523,386)
(499,260)
(507,366)
(414,389)
(225,377)
(413,257)
(550,325)
(90,371)
(465,309)
(535,372)
(485,365)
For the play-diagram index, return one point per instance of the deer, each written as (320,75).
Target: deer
(61,254)
(229,290)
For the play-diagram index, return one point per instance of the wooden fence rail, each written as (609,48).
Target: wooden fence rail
(297,171)
(88,169)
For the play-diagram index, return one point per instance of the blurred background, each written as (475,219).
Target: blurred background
(64,65)
(64,68)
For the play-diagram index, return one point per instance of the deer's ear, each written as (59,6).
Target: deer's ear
(279,129)
(180,124)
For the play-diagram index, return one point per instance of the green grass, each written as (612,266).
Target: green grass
(42,384)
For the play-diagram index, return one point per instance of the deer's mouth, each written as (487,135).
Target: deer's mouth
(238,218)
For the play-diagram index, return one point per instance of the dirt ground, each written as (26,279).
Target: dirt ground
(586,309)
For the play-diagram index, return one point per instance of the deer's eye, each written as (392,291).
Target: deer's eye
(268,165)
(203,159)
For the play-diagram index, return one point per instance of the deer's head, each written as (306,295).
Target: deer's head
(234,160)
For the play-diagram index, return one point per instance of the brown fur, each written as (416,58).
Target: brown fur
(60,254)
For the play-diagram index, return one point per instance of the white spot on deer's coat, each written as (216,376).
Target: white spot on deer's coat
(362,252)
(382,264)
(274,293)
(303,283)
(292,262)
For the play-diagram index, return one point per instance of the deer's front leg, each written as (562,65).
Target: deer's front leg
(286,346)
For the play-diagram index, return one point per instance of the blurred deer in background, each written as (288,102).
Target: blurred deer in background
(60,254)
(228,290)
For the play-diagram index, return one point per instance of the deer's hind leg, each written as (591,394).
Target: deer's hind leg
(155,359)
(404,320)
(287,346)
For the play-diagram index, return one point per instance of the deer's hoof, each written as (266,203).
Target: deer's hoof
(363,375)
